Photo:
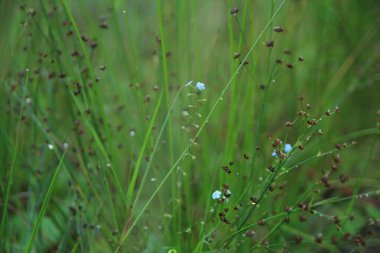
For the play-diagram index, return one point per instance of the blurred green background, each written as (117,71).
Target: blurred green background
(87,87)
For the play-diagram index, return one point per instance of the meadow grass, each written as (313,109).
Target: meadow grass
(111,144)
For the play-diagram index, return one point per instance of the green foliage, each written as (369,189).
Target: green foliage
(111,143)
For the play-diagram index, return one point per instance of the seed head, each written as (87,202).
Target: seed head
(278,29)
(234,11)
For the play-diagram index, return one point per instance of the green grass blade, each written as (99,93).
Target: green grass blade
(45,202)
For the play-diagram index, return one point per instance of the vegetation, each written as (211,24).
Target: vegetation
(190,126)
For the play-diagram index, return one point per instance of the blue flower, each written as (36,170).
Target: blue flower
(287,148)
(274,154)
(200,86)
(216,194)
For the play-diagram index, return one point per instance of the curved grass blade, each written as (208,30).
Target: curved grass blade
(45,203)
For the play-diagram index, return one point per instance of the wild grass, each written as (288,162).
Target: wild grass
(109,144)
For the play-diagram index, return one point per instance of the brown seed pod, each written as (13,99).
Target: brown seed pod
(278,29)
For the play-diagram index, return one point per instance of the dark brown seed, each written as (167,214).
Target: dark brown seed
(343,178)
(75,54)
(359,240)
(234,11)
(288,124)
(84,38)
(103,25)
(93,44)
(336,220)
(325,181)
(312,122)
(301,218)
(73,211)
(250,233)
(278,29)
(62,75)
(289,65)
(298,239)
(269,43)
(276,143)
(318,238)
(347,236)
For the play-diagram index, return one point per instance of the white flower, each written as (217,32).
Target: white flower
(216,194)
